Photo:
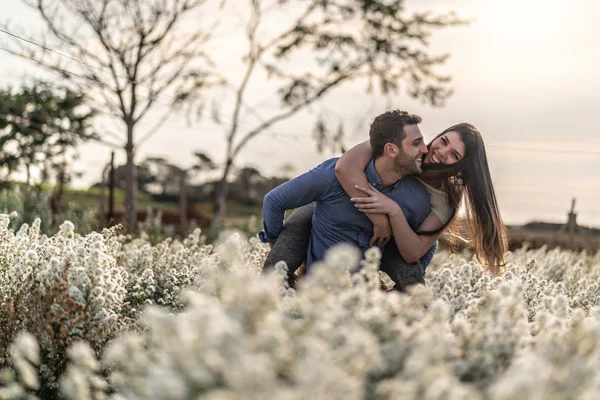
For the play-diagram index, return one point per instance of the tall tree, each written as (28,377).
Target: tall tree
(132,55)
(158,175)
(171,179)
(338,41)
(249,178)
(166,175)
(40,127)
(203,162)
(144,177)
(286,169)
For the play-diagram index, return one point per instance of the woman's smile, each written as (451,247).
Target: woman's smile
(432,158)
(446,149)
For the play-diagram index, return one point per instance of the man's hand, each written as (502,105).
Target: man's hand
(381,233)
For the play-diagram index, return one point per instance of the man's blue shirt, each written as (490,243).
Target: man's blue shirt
(336,219)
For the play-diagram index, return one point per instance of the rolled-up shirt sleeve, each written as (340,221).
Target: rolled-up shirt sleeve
(313,185)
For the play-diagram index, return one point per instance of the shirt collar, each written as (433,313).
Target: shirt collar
(372,175)
(374,178)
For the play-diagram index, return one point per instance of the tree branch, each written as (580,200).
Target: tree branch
(107,143)
(286,114)
(156,127)
(253,58)
(295,25)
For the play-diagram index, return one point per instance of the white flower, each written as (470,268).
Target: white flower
(343,256)
(81,354)
(27,374)
(26,346)
(224,331)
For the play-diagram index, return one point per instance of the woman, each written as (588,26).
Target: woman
(455,172)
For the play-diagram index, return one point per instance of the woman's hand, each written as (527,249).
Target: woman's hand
(375,202)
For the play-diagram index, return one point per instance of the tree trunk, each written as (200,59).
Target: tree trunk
(183,219)
(102,198)
(111,190)
(220,201)
(130,183)
(28,171)
(61,186)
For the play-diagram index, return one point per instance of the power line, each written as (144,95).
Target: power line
(292,144)
(104,69)
(65,71)
(48,48)
(544,150)
(530,194)
(101,69)
(68,72)
(253,111)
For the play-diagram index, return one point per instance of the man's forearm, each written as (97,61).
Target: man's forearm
(304,189)
(378,219)
(273,216)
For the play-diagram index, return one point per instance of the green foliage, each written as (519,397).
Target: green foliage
(153,228)
(29,205)
(40,126)
(158,175)
(350,39)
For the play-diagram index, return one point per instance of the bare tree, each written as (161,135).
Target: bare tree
(376,41)
(128,56)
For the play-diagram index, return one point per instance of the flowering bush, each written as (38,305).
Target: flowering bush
(69,288)
(182,319)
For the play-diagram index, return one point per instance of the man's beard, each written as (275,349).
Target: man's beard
(406,165)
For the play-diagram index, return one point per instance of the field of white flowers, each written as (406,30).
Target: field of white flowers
(109,316)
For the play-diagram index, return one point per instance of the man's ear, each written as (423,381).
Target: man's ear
(391,150)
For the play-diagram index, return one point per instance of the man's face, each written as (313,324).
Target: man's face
(410,158)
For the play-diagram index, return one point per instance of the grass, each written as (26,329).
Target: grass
(236,214)
(91,198)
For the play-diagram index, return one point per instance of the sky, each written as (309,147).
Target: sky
(523,72)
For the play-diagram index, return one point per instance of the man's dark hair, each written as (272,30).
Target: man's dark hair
(389,128)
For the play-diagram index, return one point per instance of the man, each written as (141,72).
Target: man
(398,147)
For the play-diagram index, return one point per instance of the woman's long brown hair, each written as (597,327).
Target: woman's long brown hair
(469,180)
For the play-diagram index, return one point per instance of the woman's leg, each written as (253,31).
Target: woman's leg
(402,273)
(292,244)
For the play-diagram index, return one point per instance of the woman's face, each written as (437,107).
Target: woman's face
(446,149)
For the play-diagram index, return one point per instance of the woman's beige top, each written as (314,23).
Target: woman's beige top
(439,203)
